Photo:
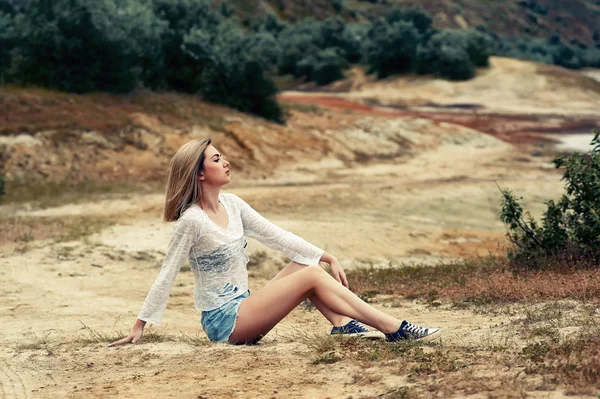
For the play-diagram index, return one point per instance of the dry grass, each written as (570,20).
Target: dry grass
(90,336)
(49,193)
(35,343)
(523,362)
(479,281)
(25,230)
(33,110)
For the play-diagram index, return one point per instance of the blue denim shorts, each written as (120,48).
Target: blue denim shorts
(219,323)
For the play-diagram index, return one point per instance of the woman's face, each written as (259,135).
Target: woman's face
(216,168)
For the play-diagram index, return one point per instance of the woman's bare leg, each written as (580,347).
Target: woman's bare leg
(260,312)
(334,318)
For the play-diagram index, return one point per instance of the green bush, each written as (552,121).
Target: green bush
(172,68)
(268,23)
(346,41)
(337,5)
(85,46)
(452,54)
(416,16)
(297,42)
(230,74)
(391,48)
(570,228)
(8,41)
(324,67)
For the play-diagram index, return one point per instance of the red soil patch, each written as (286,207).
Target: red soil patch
(512,128)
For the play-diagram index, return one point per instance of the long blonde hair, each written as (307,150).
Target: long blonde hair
(183,189)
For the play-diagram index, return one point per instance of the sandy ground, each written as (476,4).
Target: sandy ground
(63,301)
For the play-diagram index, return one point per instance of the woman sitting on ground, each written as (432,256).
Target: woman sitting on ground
(210,231)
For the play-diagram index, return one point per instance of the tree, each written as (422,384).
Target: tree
(324,67)
(174,68)
(8,41)
(297,42)
(452,54)
(391,48)
(230,75)
(86,46)
(416,16)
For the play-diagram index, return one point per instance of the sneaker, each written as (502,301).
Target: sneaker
(410,331)
(355,329)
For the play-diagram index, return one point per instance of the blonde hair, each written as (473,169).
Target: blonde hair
(183,189)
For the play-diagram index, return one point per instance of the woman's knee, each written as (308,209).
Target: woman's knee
(315,272)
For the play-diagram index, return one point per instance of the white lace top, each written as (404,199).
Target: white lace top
(217,255)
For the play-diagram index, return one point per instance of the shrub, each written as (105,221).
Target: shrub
(86,46)
(454,64)
(479,45)
(229,74)
(452,54)
(570,228)
(269,23)
(8,40)
(416,16)
(391,48)
(173,68)
(323,68)
(337,5)
(336,34)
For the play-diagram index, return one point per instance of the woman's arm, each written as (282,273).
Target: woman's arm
(135,335)
(336,269)
(184,236)
(294,247)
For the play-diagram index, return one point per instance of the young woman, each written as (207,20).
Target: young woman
(210,231)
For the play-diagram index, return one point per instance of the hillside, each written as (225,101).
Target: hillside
(541,18)
(110,138)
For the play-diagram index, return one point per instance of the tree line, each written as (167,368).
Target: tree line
(195,46)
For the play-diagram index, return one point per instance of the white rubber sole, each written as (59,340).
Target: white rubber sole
(365,335)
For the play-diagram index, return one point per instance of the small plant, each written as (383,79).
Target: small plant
(570,228)
(35,344)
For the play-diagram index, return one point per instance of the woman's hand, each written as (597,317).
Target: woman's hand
(134,336)
(336,269)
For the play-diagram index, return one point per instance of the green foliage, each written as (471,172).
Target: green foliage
(416,16)
(453,54)
(552,51)
(173,68)
(297,42)
(569,228)
(336,34)
(269,23)
(337,5)
(324,67)
(85,46)
(2,185)
(231,75)
(8,40)
(391,47)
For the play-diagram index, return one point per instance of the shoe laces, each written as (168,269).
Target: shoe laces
(414,329)
(359,326)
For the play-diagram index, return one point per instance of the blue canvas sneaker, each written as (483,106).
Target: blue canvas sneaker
(410,331)
(355,329)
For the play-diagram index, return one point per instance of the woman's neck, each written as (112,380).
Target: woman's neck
(209,200)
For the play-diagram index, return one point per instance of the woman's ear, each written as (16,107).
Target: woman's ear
(201,176)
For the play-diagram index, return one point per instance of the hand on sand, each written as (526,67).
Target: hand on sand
(134,336)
